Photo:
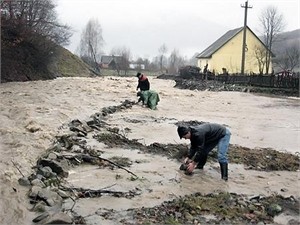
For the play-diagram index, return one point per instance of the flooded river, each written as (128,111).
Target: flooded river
(44,106)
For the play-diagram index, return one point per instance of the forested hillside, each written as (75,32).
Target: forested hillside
(31,40)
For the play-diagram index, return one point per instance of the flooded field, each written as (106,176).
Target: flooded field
(31,121)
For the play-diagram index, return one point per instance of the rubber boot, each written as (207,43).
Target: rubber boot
(224,171)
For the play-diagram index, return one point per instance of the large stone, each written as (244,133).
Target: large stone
(38,182)
(41,217)
(58,167)
(63,194)
(35,191)
(24,181)
(52,156)
(51,197)
(46,172)
(40,207)
(59,218)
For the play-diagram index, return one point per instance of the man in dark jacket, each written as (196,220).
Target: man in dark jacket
(143,82)
(204,138)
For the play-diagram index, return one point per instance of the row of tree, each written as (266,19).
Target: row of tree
(34,24)
(287,57)
(272,24)
(91,49)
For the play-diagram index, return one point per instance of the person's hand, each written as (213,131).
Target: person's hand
(187,160)
(192,165)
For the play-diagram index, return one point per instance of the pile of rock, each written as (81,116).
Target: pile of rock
(47,191)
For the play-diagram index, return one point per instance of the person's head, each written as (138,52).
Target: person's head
(138,75)
(184,132)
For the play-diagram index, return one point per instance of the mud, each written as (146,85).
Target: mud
(264,159)
(99,152)
(216,208)
(196,208)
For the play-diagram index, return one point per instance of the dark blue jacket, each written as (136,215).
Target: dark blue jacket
(204,138)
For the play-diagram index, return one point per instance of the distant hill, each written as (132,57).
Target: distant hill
(66,64)
(285,40)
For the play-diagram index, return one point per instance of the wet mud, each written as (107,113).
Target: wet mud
(74,149)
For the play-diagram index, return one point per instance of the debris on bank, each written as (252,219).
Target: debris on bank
(215,208)
(48,189)
(194,83)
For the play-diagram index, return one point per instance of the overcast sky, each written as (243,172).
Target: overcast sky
(188,26)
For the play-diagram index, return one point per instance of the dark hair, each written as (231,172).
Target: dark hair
(182,130)
(138,74)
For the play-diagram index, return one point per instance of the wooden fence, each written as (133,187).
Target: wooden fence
(277,80)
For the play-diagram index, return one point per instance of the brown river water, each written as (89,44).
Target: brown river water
(254,120)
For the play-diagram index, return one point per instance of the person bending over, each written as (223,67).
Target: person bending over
(149,98)
(204,138)
(143,82)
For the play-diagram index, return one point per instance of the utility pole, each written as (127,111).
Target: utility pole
(244,36)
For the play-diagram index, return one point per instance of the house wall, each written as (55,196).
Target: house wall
(201,63)
(229,56)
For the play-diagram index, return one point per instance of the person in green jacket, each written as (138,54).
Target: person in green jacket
(149,98)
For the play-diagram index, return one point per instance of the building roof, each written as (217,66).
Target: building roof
(208,52)
(107,59)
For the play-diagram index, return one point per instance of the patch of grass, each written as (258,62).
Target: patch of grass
(67,64)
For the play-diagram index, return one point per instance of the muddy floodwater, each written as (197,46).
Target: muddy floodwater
(32,114)
(161,180)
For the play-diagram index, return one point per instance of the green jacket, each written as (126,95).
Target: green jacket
(149,98)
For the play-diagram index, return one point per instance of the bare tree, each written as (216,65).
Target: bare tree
(260,55)
(30,35)
(289,58)
(140,62)
(36,17)
(162,51)
(91,43)
(175,61)
(272,24)
(124,57)
(154,65)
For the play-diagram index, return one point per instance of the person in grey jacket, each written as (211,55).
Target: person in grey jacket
(204,138)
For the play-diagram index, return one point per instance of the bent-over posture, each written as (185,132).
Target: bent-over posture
(204,138)
(149,98)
